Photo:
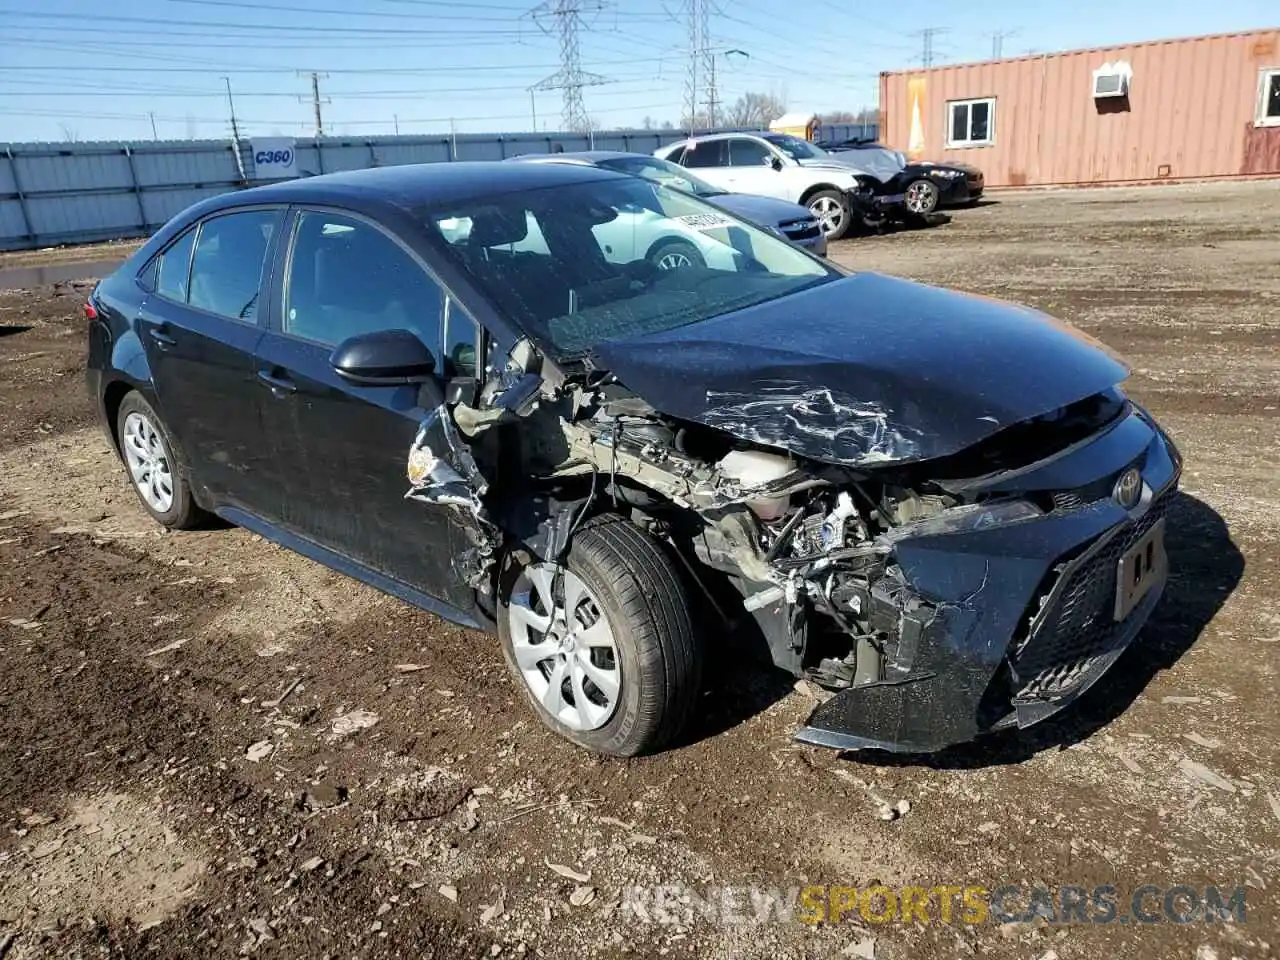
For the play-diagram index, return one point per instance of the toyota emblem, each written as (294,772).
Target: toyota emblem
(1128,488)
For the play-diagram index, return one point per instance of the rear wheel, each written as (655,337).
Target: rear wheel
(603,645)
(831,207)
(921,198)
(148,455)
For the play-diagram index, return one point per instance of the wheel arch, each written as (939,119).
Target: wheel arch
(818,188)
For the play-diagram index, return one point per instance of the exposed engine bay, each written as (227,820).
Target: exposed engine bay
(809,548)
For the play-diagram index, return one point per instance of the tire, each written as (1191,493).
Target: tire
(146,448)
(634,586)
(921,198)
(675,254)
(834,214)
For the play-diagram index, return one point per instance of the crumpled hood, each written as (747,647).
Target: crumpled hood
(765,210)
(881,164)
(866,369)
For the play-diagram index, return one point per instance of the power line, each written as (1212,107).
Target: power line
(565,18)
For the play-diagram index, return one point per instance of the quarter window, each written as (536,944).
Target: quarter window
(747,153)
(347,278)
(1269,98)
(971,123)
(230,256)
(175,268)
(461,342)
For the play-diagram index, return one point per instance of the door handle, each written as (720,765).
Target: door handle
(277,382)
(162,338)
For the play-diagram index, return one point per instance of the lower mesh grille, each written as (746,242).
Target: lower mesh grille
(1079,629)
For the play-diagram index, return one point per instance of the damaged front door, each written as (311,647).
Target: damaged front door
(342,449)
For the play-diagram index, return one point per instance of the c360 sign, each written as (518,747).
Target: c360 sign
(274,158)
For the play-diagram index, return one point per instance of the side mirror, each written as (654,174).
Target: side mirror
(772,161)
(383,359)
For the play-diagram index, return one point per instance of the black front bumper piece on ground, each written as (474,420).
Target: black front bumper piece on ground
(1016,620)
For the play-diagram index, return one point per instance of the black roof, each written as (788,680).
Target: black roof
(423,184)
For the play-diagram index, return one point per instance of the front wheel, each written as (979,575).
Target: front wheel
(921,198)
(831,207)
(603,645)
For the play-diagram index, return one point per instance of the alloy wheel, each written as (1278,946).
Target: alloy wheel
(148,462)
(921,197)
(829,212)
(564,646)
(674,260)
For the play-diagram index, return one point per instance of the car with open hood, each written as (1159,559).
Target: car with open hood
(941,509)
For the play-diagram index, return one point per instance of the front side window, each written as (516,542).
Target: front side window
(615,259)
(175,268)
(971,123)
(461,342)
(1269,98)
(744,152)
(346,278)
(229,260)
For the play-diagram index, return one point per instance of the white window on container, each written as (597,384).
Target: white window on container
(971,123)
(1269,98)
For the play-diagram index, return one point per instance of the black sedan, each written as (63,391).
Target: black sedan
(790,220)
(925,185)
(440,380)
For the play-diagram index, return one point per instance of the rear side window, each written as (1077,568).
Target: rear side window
(230,254)
(710,153)
(175,268)
(676,155)
(347,277)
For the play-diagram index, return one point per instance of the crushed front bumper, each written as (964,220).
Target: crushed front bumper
(1023,614)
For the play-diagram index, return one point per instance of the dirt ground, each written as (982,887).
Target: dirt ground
(211,747)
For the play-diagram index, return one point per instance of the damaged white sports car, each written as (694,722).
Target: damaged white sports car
(940,508)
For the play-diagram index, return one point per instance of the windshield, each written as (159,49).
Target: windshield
(794,147)
(664,172)
(579,264)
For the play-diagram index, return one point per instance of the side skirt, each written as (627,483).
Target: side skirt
(351,568)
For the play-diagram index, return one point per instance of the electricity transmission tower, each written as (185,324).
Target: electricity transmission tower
(997,42)
(926,43)
(563,18)
(701,76)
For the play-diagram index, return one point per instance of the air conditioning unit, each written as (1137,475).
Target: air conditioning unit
(1112,80)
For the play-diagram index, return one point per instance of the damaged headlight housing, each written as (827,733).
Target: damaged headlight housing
(965,519)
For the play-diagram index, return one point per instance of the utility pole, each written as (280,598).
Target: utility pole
(563,18)
(395,118)
(997,42)
(235,130)
(152,115)
(316,99)
(926,44)
(533,109)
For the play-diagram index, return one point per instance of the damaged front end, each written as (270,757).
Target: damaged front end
(934,599)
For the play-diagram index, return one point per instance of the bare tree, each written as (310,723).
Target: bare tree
(865,115)
(754,110)
(69,134)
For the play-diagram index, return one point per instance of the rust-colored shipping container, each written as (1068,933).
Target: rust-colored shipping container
(1199,108)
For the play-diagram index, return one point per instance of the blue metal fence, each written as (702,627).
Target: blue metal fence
(62,193)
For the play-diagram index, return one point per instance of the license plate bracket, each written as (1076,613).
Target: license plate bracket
(1140,569)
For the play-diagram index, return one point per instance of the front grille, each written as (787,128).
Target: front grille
(1076,628)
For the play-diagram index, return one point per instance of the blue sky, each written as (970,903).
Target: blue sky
(82,69)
